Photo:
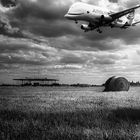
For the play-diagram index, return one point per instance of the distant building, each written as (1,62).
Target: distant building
(36,82)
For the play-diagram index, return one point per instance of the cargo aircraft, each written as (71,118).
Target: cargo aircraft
(97,17)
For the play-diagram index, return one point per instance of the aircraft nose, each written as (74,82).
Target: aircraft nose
(66,15)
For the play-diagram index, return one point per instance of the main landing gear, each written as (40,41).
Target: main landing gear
(99,31)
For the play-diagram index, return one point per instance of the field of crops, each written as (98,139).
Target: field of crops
(67,113)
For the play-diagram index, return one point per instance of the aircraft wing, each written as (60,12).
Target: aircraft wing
(122,13)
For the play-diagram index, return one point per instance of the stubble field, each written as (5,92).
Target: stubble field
(67,113)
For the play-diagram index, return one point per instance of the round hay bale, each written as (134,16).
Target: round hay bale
(121,84)
(107,83)
(117,84)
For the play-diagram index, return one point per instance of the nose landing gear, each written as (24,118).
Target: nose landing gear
(76,21)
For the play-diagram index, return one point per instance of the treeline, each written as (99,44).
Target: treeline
(135,83)
(54,84)
(72,85)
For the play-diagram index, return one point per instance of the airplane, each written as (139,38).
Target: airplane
(99,17)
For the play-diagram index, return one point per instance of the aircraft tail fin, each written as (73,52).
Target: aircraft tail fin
(130,18)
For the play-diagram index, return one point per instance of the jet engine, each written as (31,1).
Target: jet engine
(85,27)
(105,18)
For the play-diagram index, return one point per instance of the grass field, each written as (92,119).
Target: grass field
(67,113)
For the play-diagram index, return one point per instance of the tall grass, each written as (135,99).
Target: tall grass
(82,116)
(79,125)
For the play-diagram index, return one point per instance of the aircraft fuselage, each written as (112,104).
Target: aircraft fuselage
(86,12)
(97,16)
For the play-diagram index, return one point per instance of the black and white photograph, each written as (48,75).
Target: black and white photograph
(69,70)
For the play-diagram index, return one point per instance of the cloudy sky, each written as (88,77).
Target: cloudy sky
(36,40)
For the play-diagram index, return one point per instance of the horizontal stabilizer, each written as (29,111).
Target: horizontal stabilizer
(134,24)
(125,12)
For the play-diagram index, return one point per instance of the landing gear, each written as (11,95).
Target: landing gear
(99,31)
(76,21)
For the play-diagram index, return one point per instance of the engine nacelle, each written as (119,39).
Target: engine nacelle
(85,27)
(105,18)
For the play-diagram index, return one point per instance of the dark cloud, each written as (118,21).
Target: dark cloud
(105,61)
(108,59)
(46,18)
(42,9)
(8,46)
(10,60)
(114,56)
(8,3)
(51,23)
(127,36)
(90,59)
(71,42)
(113,1)
(21,58)
(72,59)
(101,61)
(15,32)
(70,49)
(50,29)
(40,19)
(21,52)
(7,29)
(5,26)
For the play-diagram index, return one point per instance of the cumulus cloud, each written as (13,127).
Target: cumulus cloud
(34,33)
(17,53)
(51,23)
(108,58)
(72,59)
(6,27)
(138,52)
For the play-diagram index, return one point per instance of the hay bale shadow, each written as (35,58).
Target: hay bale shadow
(125,114)
(16,124)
